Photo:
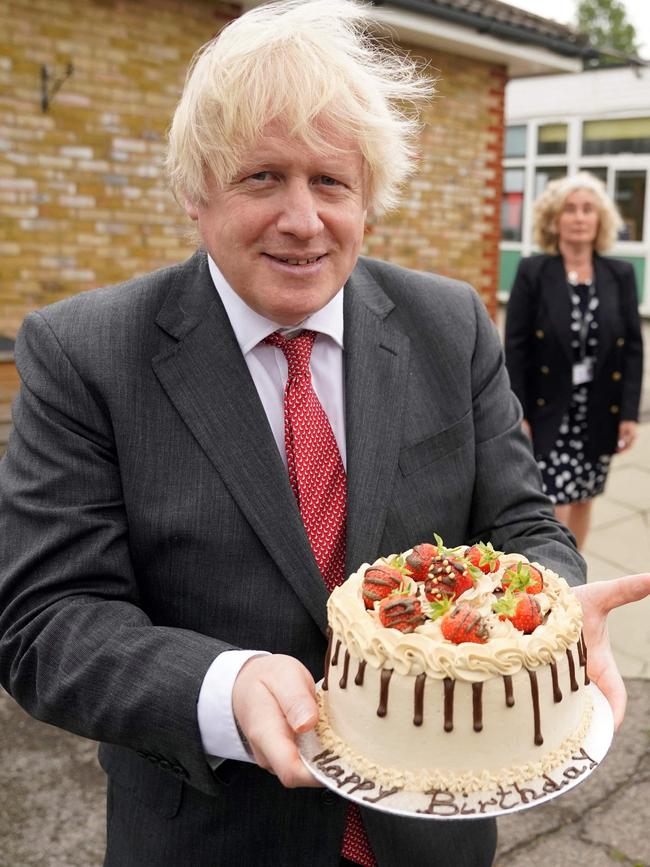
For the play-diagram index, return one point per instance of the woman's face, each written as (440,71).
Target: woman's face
(579,218)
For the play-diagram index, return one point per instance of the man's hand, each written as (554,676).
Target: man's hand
(273,699)
(597,600)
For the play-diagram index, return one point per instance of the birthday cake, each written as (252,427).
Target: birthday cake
(456,669)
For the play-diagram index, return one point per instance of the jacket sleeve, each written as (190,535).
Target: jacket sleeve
(633,356)
(520,317)
(77,649)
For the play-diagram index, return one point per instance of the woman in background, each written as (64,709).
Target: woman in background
(573,346)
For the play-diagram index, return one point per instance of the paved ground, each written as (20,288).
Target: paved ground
(52,790)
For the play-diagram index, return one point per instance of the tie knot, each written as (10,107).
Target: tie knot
(297,350)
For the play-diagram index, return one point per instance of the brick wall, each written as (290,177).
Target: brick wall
(449,222)
(82,198)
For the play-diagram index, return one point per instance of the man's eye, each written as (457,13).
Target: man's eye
(260,176)
(328,181)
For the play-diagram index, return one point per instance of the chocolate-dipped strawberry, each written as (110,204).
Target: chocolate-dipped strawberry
(448,577)
(379,582)
(464,623)
(419,560)
(401,611)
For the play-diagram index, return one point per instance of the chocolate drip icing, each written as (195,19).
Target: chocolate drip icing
(386,674)
(582,650)
(507,682)
(557,692)
(572,671)
(343,682)
(449,704)
(418,699)
(328,654)
(534,691)
(477,706)
(335,658)
(358,678)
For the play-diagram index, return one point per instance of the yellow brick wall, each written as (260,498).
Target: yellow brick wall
(450,219)
(83,200)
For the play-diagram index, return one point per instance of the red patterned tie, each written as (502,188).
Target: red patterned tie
(317,478)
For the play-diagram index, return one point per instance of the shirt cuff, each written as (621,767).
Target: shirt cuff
(219,734)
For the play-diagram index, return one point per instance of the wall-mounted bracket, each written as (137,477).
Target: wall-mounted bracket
(49,90)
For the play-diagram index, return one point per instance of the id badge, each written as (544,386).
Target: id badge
(583,371)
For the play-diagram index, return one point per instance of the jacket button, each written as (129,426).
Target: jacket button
(539,334)
(616,375)
(620,341)
(614,409)
(545,369)
(540,401)
(328,798)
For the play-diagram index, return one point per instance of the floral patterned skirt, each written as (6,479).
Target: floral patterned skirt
(567,475)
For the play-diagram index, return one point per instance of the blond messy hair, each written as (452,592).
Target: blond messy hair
(314,67)
(550,204)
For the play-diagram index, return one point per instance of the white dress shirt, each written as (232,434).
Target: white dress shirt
(268,368)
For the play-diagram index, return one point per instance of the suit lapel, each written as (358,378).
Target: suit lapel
(376,367)
(558,302)
(206,377)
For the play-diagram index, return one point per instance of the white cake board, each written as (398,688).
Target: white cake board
(332,771)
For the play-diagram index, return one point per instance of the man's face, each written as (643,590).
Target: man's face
(286,233)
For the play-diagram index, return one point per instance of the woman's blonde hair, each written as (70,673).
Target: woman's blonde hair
(314,67)
(549,205)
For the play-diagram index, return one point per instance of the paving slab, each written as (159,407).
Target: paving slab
(630,486)
(624,543)
(607,511)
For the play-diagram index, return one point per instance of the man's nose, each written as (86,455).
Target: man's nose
(299,213)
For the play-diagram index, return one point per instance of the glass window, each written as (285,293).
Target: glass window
(629,195)
(630,135)
(512,204)
(545,174)
(515,141)
(552,138)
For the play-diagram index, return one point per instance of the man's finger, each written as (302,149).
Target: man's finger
(612,593)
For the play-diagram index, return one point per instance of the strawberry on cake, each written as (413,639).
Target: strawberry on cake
(456,669)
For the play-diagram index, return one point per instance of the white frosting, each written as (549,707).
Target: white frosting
(393,750)
(425,650)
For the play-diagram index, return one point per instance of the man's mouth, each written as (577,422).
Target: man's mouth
(294,261)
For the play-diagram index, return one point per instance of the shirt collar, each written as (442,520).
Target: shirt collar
(251,328)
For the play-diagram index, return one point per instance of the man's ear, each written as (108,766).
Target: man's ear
(191,210)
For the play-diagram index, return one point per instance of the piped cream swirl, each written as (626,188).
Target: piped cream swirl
(427,651)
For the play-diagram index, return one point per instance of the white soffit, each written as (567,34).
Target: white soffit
(519,58)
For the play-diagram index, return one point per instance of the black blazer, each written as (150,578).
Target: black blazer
(539,356)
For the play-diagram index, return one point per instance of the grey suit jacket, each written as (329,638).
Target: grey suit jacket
(147,525)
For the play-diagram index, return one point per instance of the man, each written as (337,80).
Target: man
(163,587)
